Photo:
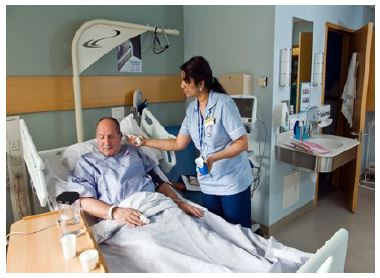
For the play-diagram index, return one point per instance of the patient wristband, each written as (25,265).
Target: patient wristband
(110,213)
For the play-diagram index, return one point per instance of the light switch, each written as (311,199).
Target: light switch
(262,81)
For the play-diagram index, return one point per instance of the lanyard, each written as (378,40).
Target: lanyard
(200,128)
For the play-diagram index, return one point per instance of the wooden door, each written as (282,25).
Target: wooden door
(371,84)
(304,62)
(349,174)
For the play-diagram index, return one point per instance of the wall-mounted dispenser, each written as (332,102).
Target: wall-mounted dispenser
(318,69)
(285,66)
(281,117)
(237,83)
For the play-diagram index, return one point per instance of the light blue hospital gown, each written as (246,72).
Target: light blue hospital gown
(228,176)
(112,179)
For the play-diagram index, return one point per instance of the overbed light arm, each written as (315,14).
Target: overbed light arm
(93,40)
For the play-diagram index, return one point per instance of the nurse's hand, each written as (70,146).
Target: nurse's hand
(209,161)
(128,216)
(136,140)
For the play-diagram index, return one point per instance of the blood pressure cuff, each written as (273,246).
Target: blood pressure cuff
(156,179)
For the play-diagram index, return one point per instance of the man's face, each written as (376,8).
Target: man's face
(107,138)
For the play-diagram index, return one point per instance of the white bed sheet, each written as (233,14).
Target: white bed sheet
(176,242)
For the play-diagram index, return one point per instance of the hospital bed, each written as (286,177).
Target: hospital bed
(173,241)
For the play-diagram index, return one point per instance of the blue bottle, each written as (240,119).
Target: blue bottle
(201,166)
(305,133)
(297,130)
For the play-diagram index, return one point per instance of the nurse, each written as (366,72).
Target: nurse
(214,124)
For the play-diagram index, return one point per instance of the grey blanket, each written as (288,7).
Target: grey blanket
(176,242)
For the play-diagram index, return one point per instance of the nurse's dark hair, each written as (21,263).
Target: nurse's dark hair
(198,69)
(116,123)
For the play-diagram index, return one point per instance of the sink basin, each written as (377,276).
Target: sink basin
(341,151)
(327,143)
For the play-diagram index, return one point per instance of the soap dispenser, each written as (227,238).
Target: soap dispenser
(305,133)
(300,128)
(296,130)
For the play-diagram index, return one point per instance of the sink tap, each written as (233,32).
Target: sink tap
(312,118)
(318,117)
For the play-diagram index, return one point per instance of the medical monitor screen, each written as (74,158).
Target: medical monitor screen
(245,106)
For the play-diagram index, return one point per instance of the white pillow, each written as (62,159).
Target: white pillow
(72,153)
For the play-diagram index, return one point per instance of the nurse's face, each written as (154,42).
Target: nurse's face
(107,138)
(189,88)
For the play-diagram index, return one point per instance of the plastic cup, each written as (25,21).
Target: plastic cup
(89,259)
(69,245)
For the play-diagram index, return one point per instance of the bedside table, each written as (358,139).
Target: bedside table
(42,251)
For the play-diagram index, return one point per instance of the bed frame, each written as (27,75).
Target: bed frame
(329,258)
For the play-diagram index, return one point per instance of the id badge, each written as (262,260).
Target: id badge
(209,122)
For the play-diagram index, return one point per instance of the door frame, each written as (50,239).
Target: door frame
(346,32)
(347,48)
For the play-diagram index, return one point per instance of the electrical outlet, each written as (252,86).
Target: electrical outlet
(14,145)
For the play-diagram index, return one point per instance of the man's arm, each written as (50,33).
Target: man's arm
(100,209)
(166,189)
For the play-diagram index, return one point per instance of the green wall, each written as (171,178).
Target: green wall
(38,40)
(38,43)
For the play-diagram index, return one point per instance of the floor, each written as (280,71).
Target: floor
(309,232)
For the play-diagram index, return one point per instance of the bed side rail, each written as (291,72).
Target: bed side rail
(330,257)
(34,164)
(151,126)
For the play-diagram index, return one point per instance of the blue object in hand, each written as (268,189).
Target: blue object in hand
(201,166)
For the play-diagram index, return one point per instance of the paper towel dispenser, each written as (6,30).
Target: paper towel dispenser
(281,116)
(237,83)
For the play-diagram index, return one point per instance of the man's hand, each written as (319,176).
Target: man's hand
(128,216)
(189,209)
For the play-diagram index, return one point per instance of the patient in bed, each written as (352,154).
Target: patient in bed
(117,183)
(105,178)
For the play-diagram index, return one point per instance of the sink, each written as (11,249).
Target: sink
(342,150)
(327,143)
